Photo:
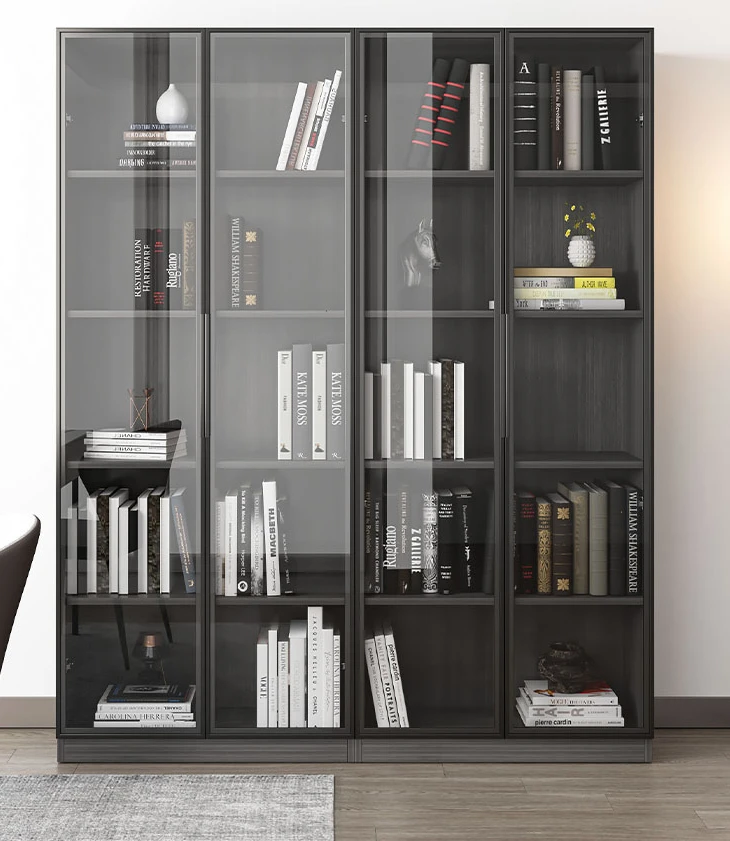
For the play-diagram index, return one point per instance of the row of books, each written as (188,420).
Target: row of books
(596,706)
(164,268)
(560,288)
(561,118)
(298,673)
(123,536)
(246,264)
(411,414)
(308,122)
(143,705)
(159,443)
(158,146)
(386,682)
(585,539)
(426,541)
(439,110)
(311,399)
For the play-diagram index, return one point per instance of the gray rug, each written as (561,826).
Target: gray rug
(205,807)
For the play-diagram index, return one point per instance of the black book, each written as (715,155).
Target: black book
(489,543)
(443,132)
(447,542)
(633,534)
(415,542)
(470,566)
(526,542)
(429,513)
(187,560)
(587,116)
(285,565)
(403,562)
(617,541)
(562,548)
(556,117)
(160,248)
(236,224)
(102,540)
(142,269)
(447,408)
(390,543)
(603,120)
(336,402)
(153,540)
(373,532)
(243,582)
(302,402)
(525,114)
(378,504)
(174,268)
(419,153)
(397,408)
(544,142)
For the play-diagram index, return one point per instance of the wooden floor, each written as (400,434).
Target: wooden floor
(684,795)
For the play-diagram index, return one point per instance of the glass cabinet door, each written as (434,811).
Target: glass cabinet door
(131,344)
(429,578)
(281,301)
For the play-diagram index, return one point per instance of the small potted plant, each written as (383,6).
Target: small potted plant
(580,228)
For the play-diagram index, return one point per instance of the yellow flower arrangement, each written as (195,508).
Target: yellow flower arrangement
(580,221)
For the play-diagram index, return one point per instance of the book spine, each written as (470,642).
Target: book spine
(283,688)
(459,411)
(178,136)
(336,680)
(587,121)
(154,530)
(336,402)
(142,269)
(581,545)
(160,252)
(302,402)
(449,111)
(415,540)
(369,422)
(391,710)
(447,408)
(544,547)
(236,224)
(436,371)
(572,701)
(329,107)
(543,116)
(429,510)
(251,268)
(390,544)
(385,410)
(273,673)
(114,545)
(141,542)
(547,294)
(562,548)
(397,409)
(291,126)
(479,117)
(471,552)
(220,547)
(124,547)
(446,542)
(297,681)
(403,562)
(525,114)
(316,129)
(319,405)
(368,537)
(231,543)
(632,540)
(328,654)
(187,561)
(395,675)
(91,544)
(243,577)
(427,417)
(556,117)
(174,268)
(284,399)
(419,152)
(376,485)
(617,543)
(419,399)
(301,123)
(526,542)
(102,544)
(285,569)
(603,134)
(598,544)
(141,717)
(137,711)
(271,536)
(258,549)
(262,684)
(162,127)
(376,683)
(189,264)
(569,304)
(408,420)
(565,283)
(308,125)
(165,535)
(572,122)
(314,666)
(489,544)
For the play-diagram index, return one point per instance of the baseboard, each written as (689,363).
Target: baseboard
(28,712)
(692,712)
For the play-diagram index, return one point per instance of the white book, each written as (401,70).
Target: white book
(91,523)
(273,671)
(314,133)
(142,555)
(298,673)
(537,691)
(566,722)
(164,456)
(124,548)
(434,369)
(314,666)
(408,410)
(143,725)
(102,445)
(283,691)
(262,673)
(583,711)
(572,80)
(291,126)
(327,660)
(570,304)
(271,539)
(69,513)
(391,708)
(231,544)
(376,682)
(479,117)
(308,125)
(459,408)
(395,674)
(284,396)
(314,158)
(220,547)
(419,415)
(258,554)
(385,373)
(115,501)
(121,434)
(319,405)
(337,679)
(166,530)
(368,419)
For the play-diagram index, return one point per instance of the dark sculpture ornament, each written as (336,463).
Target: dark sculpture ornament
(566,667)
(419,255)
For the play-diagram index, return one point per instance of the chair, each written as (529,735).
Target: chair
(18,540)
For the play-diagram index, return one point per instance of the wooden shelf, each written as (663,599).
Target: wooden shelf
(430,464)
(576,601)
(578,461)
(267,314)
(430,314)
(584,177)
(435,600)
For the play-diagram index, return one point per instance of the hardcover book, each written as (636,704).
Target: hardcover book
(376,682)
(220,547)
(544,137)
(243,577)
(182,533)
(430,543)
(298,673)
(319,405)
(284,400)
(526,542)
(390,543)
(415,543)
(116,500)
(273,674)
(369,418)
(447,542)
(271,539)
(314,154)
(262,678)
(603,120)
(328,677)
(314,666)
(160,252)
(633,529)
(282,693)
(617,540)
(313,136)
(471,552)
(301,124)
(142,269)
(447,408)
(544,546)
(391,709)
(302,402)
(489,543)
(597,540)
(443,131)
(525,114)
(562,545)
(153,539)
(291,126)
(395,674)
(578,495)
(336,402)
(285,566)
(173,274)
(479,117)
(127,528)
(596,694)
(231,543)
(102,541)
(189,264)
(307,131)
(572,123)
(236,225)
(587,120)
(251,268)
(258,548)
(435,369)
(403,558)
(420,154)
(556,116)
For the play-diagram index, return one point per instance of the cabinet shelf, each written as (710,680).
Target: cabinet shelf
(578,461)
(132,600)
(127,466)
(130,174)
(615,177)
(176,314)
(268,314)
(430,314)
(614,315)
(285,177)
(435,600)
(582,601)
(430,464)
(296,600)
(436,175)
(275,464)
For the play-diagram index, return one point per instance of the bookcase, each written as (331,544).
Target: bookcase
(378,256)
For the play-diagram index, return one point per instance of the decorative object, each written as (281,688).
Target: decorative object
(566,667)
(419,255)
(581,252)
(228,807)
(150,649)
(580,229)
(139,412)
(172,107)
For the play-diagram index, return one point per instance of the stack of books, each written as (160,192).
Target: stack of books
(386,683)
(298,671)
(158,146)
(309,119)
(154,444)
(139,705)
(595,706)
(559,288)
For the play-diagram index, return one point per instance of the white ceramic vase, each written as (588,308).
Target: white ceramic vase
(581,252)
(172,107)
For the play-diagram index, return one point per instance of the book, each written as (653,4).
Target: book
(328,655)
(314,666)
(470,567)
(173,274)
(142,555)
(298,673)
(220,547)
(544,546)
(307,130)
(262,675)
(525,542)
(119,497)
(190,251)
(370,545)
(400,380)
(403,556)
(272,669)
(435,370)
(127,518)
(447,408)
(115,698)
(390,543)
(127,456)
(311,140)
(544,138)
(141,718)
(162,126)
(301,123)
(163,432)
(447,542)
(596,694)
(479,117)
(489,542)
(597,540)
(145,724)
(283,677)
(525,114)
(376,682)
(313,161)
(284,401)
(566,720)
(385,411)
(377,416)
(160,251)
(319,405)
(415,542)
(154,539)
(291,126)
(97,541)
(377,483)
(556,117)
(391,709)
(168,450)
(258,546)
(231,543)
(419,151)
(587,121)
(419,415)
(459,411)
(395,674)
(617,540)
(243,566)
(302,402)
(337,680)
(368,443)
(236,225)
(570,304)
(578,496)
(161,134)
(565,294)
(142,269)
(575,711)
(565,283)
(251,268)
(427,417)
(184,546)
(632,540)
(603,120)
(562,528)
(449,111)
(286,580)
(572,120)
(561,271)
(165,537)
(271,538)
(336,402)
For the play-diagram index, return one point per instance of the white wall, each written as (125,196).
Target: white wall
(692,259)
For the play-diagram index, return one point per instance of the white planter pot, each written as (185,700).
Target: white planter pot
(172,107)
(581,252)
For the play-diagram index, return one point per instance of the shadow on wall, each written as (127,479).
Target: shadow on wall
(692,374)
